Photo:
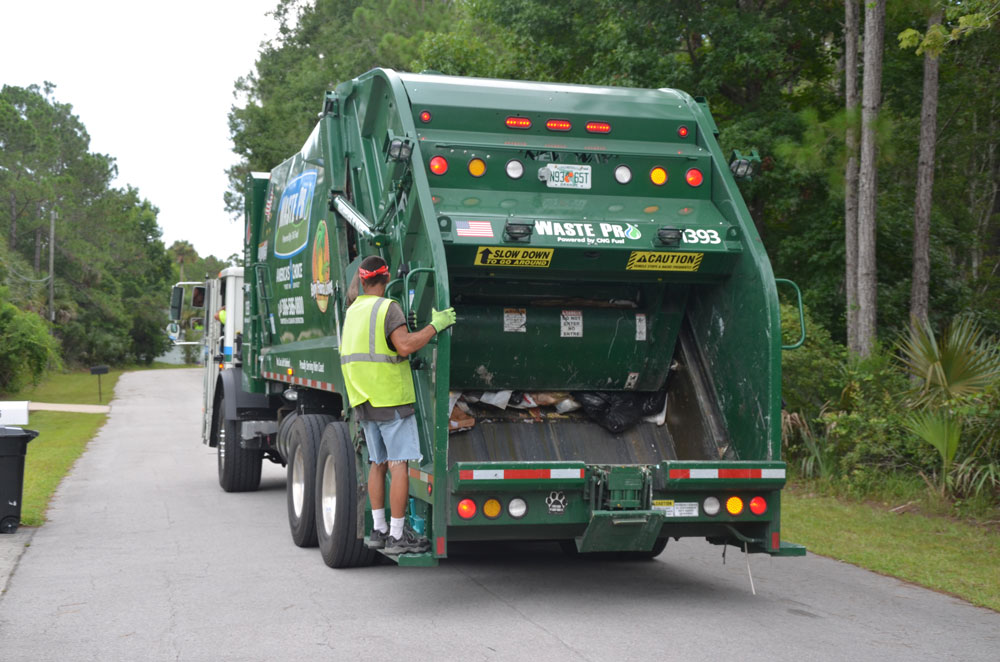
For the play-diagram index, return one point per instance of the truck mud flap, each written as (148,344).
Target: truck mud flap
(621,531)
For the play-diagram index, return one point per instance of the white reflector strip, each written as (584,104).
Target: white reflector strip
(566,473)
(487,474)
(704,473)
(772,473)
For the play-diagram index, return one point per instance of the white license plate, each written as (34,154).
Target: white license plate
(568,176)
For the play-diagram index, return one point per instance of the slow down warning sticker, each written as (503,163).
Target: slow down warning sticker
(658,261)
(494,256)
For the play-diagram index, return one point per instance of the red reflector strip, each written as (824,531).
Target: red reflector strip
(519,474)
(775,540)
(417,474)
(726,473)
(298,381)
(440,545)
(558,125)
(518,123)
(598,127)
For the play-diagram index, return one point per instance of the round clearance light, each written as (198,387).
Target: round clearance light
(517,508)
(515,169)
(734,505)
(425,116)
(598,127)
(558,125)
(711,506)
(492,509)
(758,506)
(439,165)
(694,177)
(477,167)
(466,508)
(658,176)
(682,131)
(518,123)
(651,209)
(623,174)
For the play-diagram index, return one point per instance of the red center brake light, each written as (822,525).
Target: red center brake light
(558,125)
(694,177)
(598,127)
(518,123)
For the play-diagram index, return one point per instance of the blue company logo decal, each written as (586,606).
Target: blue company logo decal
(633,232)
(294,208)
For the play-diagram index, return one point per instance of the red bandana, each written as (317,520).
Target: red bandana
(365,274)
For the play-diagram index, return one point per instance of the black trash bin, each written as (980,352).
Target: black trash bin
(13,447)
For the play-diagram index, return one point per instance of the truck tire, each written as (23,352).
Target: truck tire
(303,441)
(337,501)
(239,468)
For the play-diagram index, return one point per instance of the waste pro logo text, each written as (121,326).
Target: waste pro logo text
(588,233)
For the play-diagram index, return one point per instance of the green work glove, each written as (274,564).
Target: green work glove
(442,319)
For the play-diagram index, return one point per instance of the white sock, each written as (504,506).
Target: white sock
(396,527)
(379,516)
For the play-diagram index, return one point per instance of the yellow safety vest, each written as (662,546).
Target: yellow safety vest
(372,372)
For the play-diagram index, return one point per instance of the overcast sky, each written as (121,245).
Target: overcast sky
(153,83)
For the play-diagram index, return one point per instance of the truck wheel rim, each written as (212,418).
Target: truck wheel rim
(298,482)
(222,444)
(329,495)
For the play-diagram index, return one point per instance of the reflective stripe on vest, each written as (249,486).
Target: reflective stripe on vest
(372,356)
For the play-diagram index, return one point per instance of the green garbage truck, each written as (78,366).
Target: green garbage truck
(614,376)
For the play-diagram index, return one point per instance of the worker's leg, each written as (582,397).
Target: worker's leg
(376,485)
(376,474)
(399,491)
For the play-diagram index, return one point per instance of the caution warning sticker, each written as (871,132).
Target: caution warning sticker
(658,261)
(496,256)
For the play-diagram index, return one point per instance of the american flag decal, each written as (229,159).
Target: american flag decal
(474,229)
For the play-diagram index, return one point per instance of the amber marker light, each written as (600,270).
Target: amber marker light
(658,176)
(758,506)
(439,165)
(289,372)
(466,508)
(492,509)
(477,167)
(694,177)
(734,505)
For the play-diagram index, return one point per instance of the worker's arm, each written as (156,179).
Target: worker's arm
(406,343)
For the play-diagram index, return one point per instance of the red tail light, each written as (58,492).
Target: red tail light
(425,116)
(682,132)
(439,165)
(558,125)
(758,506)
(694,177)
(598,127)
(518,123)
(466,508)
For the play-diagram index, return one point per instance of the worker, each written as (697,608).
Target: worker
(221,316)
(375,344)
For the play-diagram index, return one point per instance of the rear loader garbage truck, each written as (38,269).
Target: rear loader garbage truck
(614,376)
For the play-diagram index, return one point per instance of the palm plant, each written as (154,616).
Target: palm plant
(963,364)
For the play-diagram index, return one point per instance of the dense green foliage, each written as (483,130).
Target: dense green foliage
(111,269)
(772,72)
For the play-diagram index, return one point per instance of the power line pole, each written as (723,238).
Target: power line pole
(52,266)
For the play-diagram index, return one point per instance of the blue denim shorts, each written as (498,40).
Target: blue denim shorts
(394,441)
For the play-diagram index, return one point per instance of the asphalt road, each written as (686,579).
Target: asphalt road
(145,558)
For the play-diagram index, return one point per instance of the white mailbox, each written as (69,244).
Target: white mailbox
(14,412)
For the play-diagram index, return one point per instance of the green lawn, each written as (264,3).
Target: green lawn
(937,552)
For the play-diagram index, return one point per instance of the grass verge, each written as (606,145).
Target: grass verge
(947,555)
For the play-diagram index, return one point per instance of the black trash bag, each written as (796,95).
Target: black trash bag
(651,404)
(614,411)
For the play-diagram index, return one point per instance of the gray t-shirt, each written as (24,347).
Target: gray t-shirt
(394,319)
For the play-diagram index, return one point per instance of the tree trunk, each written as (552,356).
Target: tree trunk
(13,222)
(38,252)
(851,173)
(920,281)
(871,100)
